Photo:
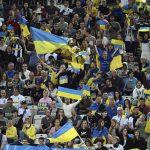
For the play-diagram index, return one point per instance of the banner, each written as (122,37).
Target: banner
(14,147)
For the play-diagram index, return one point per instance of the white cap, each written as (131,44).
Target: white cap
(119,108)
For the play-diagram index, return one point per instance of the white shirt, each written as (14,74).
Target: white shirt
(3,101)
(17,100)
(120,147)
(26,73)
(26,114)
(3,48)
(67,108)
(121,120)
(87,61)
(66,11)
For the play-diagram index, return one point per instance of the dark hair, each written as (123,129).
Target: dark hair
(120,97)
(41,138)
(98,140)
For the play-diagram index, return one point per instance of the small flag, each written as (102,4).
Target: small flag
(86,90)
(69,93)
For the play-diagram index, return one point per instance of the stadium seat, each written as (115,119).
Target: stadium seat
(37,121)
(28,100)
(33,109)
(38,136)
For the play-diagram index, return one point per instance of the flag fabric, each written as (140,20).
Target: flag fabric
(77,66)
(144,29)
(101,24)
(65,134)
(127,9)
(146,93)
(82,53)
(86,90)
(47,43)
(118,44)
(22,22)
(53,75)
(140,1)
(116,63)
(69,93)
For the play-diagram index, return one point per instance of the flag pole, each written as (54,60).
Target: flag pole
(83,142)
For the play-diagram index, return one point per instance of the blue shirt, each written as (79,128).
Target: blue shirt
(100,133)
(10,74)
(111,112)
(94,106)
(120,102)
(93,72)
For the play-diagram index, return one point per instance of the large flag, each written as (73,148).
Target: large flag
(47,43)
(65,134)
(22,22)
(69,93)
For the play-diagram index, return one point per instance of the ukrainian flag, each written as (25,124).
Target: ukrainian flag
(101,24)
(69,93)
(77,66)
(127,9)
(22,22)
(116,63)
(146,93)
(118,44)
(47,43)
(65,134)
(86,90)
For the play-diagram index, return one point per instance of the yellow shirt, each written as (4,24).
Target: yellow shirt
(31,132)
(11,132)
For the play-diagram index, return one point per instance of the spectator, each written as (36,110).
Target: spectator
(46,122)
(9,108)
(11,132)
(10,72)
(28,132)
(99,144)
(17,98)
(3,99)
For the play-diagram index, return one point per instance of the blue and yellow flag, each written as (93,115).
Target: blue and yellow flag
(101,24)
(146,93)
(47,43)
(127,9)
(116,63)
(10,27)
(69,93)
(118,44)
(22,22)
(86,90)
(65,134)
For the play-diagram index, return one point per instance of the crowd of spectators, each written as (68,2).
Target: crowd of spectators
(116,114)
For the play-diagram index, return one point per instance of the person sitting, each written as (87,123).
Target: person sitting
(11,132)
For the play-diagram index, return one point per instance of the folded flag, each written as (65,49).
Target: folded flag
(118,44)
(65,134)
(101,24)
(3,34)
(83,54)
(47,43)
(69,93)
(86,90)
